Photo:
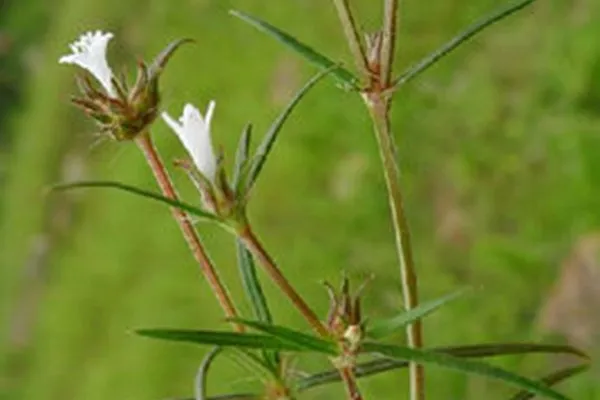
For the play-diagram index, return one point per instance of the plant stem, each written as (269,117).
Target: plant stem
(379,109)
(352,390)
(144,142)
(390,21)
(352,36)
(255,247)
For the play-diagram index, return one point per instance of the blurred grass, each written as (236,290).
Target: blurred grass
(498,144)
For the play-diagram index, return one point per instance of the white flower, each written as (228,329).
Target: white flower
(89,52)
(194,133)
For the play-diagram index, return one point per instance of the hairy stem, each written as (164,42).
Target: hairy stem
(144,142)
(379,110)
(352,36)
(255,247)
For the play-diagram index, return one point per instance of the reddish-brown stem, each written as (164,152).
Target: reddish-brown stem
(349,379)
(144,142)
(255,247)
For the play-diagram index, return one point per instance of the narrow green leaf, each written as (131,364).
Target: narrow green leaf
(272,134)
(159,63)
(225,339)
(553,379)
(291,336)
(428,357)
(254,291)
(474,351)
(456,41)
(251,284)
(140,192)
(343,75)
(241,158)
(246,359)
(202,374)
(382,328)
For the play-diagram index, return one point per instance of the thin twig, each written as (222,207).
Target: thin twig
(349,379)
(379,111)
(255,247)
(144,142)
(352,36)
(390,22)
(456,41)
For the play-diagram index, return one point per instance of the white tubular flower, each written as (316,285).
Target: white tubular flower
(194,133)
(89,52)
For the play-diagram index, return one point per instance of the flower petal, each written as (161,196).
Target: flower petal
(89,52)
(194,133)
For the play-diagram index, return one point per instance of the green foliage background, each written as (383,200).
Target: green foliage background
(499,146)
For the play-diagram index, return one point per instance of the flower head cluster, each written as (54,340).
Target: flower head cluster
(120,111)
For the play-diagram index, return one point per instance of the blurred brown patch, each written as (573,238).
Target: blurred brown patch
(348,175)
(452,222)
(5,43)
(285,81)
(573,307)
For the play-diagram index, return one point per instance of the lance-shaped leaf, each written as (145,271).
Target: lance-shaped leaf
(224,339)
(382,328)
(241,161)
(254,291)
(251,283)
(291,336)
(553,379)
(202,375)
(342,74)
(272,134)
(246,266)
(159,63)
(140,192)
(456,41)
(385,364)
(428,357)
(245,358)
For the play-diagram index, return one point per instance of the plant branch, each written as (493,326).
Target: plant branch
(349,379)
(144,142)
(390,22)
(255,247)
(352,36)
(379,111)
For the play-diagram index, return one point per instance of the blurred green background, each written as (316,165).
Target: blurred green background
(499,145)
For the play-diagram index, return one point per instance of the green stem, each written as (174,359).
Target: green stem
(388,45)
(379,111)
(352,36)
